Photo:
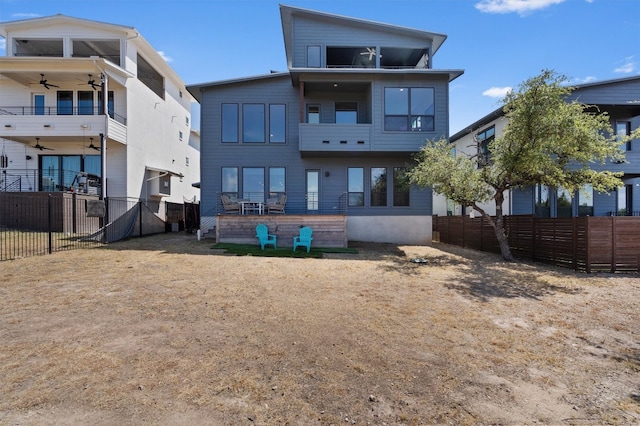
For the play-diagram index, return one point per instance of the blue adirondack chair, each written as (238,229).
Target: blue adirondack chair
(304,239)
(262,233)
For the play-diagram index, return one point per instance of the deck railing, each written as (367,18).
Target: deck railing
(305,203)
(37,180)
(59,110)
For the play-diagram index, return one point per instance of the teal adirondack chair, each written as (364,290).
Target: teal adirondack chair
(304,239)
(262,233)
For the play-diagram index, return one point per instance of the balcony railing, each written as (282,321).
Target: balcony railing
(43,110)
(296,203)
(23,180)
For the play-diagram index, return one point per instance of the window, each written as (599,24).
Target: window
(483,139)
(65,102)
(355,176)
(313,56)
(346,112)
(623,129)
(150,77)
(542,201)
(85,103)
(110,107)
(253,123)
(378,186)
(253,183)
(564,203)
(180,134)
(38,104)
(585,201)
(277,123)
(624,200)
(229,123)
(313,114)
(60,172)
(409,109)
(230,180)
(276,180)
(401,187)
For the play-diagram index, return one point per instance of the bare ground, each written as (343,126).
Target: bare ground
(164,330)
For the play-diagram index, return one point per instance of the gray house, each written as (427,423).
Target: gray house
(620,98)
(335,133)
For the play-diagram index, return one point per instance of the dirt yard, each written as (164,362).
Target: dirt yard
(163,330)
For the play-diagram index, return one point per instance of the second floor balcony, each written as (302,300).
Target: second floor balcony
(334,137)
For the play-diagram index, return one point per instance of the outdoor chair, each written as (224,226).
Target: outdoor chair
(262,233)
(304,239)
(230,206)
(276,205)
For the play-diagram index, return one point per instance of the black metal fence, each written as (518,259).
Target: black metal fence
(33,224)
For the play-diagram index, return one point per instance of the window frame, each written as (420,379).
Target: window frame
(234,135)
(283,123)
(355,187)
(399,185)
(378,198)
(403,118)
(249,120)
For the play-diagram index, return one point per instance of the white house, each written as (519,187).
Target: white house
(56,130)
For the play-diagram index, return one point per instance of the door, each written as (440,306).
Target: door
(313,189)
(38,103)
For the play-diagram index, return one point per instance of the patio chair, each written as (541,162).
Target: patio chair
(304,239)
(262,233)
(230,206)
(276,205)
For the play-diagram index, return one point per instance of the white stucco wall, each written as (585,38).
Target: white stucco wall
(410,230)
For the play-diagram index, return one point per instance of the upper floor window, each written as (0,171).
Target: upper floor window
(110,103)
(483,139)
(277,123)
(313,56)
(253,123)
(409,109)
(65,102)
(38,47)
(107,49)
(313,114)
(346,112)
(85,102)
(150,77)
(229,122)
(623,129)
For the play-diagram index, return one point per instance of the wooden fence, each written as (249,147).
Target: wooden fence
(591,244)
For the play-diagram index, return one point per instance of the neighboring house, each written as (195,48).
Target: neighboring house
(55,125)
(336,132)
(620,98)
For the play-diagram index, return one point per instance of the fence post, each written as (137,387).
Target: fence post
(613,244)
(50,222)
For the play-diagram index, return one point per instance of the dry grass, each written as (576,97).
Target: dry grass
(161,330)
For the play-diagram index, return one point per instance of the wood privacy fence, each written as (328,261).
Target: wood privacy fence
(591,244)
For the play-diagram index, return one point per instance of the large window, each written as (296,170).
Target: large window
(484,138)
(230,180)
(378,186)
(401,187)
(110,103)
(623,129)
(355,176)
(409,109)
(276,180)
(313,56)
(346,112)
(585,201)
(65,102)
(85,102)
(229,123)
(253,183)
(277,123)
(62,172)
(253,123)
(564,203)
(542,206)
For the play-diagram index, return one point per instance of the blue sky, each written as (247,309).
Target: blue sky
(498,43)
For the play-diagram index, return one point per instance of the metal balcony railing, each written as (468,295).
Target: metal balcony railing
(307,203)
(34,180)
(59,110)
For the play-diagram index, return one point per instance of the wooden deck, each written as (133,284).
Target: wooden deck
(328,230)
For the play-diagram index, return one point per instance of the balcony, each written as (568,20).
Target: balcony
(322,138)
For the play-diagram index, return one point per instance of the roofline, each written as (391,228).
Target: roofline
(6,25)
(196,89)
(287,11)
(493,115)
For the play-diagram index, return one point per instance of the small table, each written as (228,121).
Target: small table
(252,207)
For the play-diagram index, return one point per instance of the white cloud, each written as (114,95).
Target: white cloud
(587,79)
(164,56)
(627,66)
(25,15)
(521,7)
(497,92)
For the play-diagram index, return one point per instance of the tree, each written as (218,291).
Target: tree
(547,140)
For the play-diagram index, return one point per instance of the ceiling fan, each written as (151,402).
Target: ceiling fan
(371,52)
(40,147)
(45,84)
(92,83)
(92,146)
